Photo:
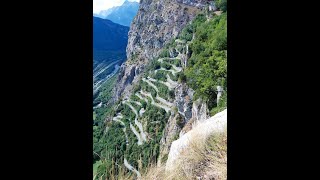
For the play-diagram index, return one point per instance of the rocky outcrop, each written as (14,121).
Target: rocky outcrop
(203,129)
(161,20)
(170,134)
(183,99)
(199,110)
(156,23)
(125,78)
(196,3)
(184,104)
(199,113)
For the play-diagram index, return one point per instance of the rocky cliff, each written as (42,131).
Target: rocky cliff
(203,129)
(156,23)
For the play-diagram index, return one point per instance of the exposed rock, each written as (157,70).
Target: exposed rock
(183,99)
(125,78)
(219,90)
(183,102)
(170,134)
(199,110)
(196,3)
(199,113)
(161,20)
(203,129)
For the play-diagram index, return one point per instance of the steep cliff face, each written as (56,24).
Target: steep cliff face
(156,23)
(190,114)
(161,20)
(184,95)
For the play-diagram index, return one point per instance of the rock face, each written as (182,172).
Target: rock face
(156,23)
(199,111)
(183,99)
(203,129)
(170,133)
(125,78)
(161,20)
(184,104)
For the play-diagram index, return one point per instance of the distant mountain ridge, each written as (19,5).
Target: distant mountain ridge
(108,35)
(123,14)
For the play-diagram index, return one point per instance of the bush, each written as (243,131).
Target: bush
(166,65)
(136,88)
(144,104)
(164,53)
(221,105)
(180,121)
(171,94)
(177,62)
(155,65)
(181,77)
(173,78)
(221,4)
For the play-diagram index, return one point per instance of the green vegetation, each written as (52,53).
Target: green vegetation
(146,87)
(111,146)
(101,59)
(180,121)
(100,114)
(221,4)
(155,65)
(175,62)
(181,77)
(163,90)
(164,53)
(207,67)
(166,65)
(105,91)
(220,106)
(160,75)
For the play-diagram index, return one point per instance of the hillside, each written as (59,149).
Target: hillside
(156,24)
(109,50)
(164,91)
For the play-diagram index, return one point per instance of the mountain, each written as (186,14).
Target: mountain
(108,35)
(123,14)
(165,114)
(109,50)
(154,26)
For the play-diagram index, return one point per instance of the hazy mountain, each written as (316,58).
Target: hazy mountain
(123,14)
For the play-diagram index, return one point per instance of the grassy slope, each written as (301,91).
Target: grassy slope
(205,158)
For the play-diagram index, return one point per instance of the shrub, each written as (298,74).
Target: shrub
(181,77)
(166,65)
(221,4)
(180,121)
(155,65)
(207,67)
(164,53)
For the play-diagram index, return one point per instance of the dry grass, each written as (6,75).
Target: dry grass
(204,159)
(154,173)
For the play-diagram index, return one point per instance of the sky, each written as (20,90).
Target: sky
(99,5)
